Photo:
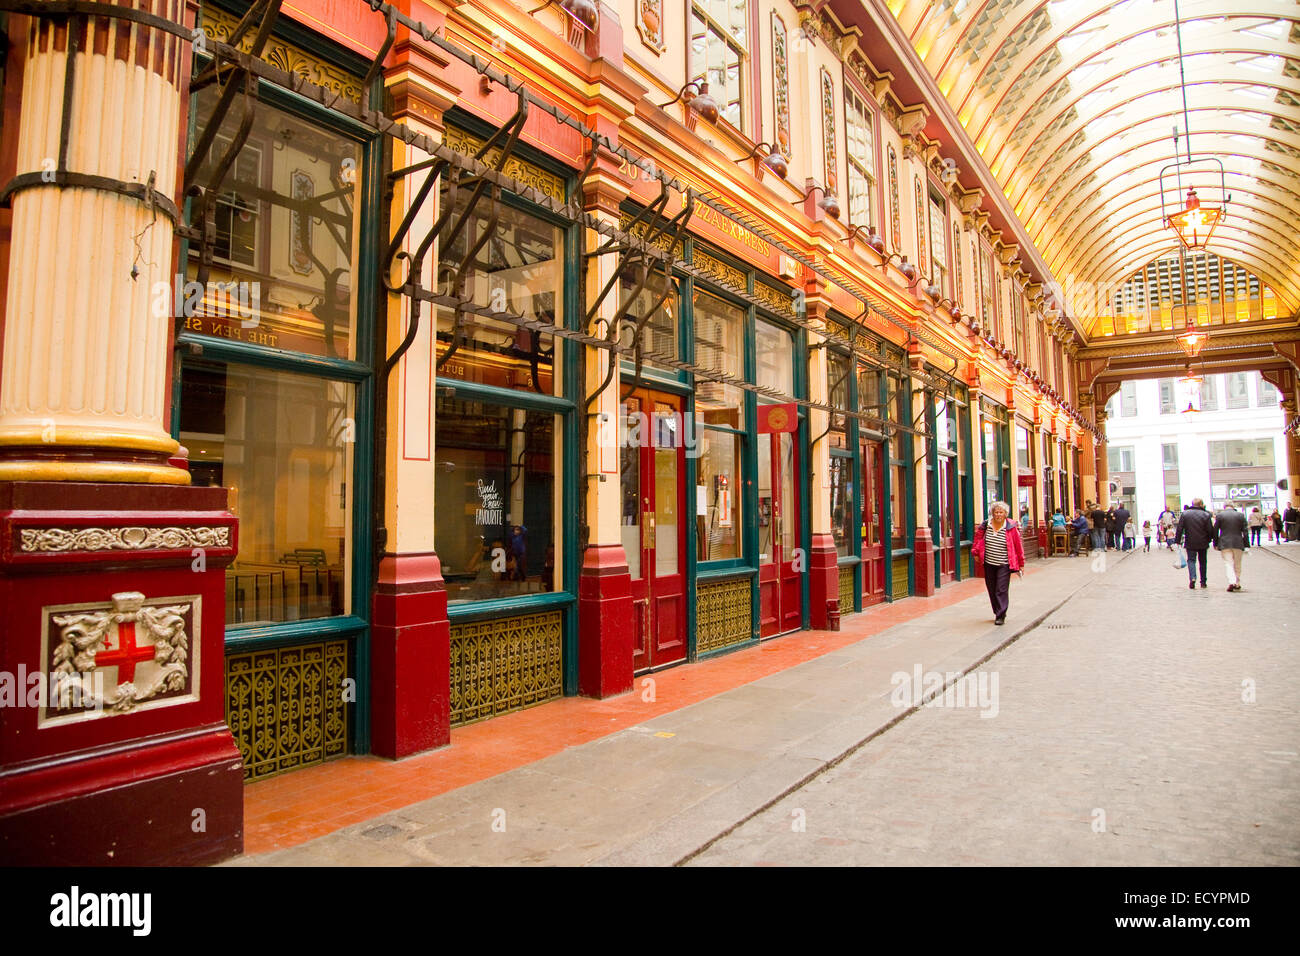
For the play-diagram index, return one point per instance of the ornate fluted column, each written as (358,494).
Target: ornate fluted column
(84,388)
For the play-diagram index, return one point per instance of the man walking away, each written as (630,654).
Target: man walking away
(1098,527)
(1230,540)
(1256,520)
(1195,533)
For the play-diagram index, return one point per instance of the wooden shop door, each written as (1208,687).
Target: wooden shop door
(653,474)
(780,585)
(874,565)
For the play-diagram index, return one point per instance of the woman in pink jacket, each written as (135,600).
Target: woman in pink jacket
(998,546)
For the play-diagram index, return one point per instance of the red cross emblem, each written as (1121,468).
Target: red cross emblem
(127,653)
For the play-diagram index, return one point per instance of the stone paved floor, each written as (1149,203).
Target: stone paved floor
(1124,736)
(1120,704)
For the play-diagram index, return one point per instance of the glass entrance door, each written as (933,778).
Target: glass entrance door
(779,584)
(652,469)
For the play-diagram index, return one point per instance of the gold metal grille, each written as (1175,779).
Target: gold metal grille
(722,614)
(965,560)
(286,707)
(899,571)
(505,664)
(846,590)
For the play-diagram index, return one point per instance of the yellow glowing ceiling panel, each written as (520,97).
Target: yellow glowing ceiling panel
(1073,104)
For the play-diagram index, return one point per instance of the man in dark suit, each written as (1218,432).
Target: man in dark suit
(1231,539)
(1111,541)
(1291,522)
(1195,533)
(1121,519)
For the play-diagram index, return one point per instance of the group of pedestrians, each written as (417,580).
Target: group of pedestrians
(1229,532)
(1108,529)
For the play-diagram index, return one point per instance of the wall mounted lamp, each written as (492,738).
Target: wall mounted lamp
(773,160)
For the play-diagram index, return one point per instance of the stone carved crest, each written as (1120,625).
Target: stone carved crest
(650,24)
(115,658)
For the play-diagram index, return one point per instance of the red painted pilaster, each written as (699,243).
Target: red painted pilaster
(140,768)
(605,623)
(924,558)
(410,657)
(823,582)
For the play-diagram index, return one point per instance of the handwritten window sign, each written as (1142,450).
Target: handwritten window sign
(489,510)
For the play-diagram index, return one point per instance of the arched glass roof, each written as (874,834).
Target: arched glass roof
(1073,105)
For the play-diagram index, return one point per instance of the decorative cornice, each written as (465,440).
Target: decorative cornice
(64,540)
(218,25)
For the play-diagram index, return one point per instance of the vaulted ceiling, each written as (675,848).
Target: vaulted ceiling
(1073,105)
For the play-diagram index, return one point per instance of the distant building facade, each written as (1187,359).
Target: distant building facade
(1230,448)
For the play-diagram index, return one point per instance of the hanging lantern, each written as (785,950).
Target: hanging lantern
(1195,223)
(1192,340)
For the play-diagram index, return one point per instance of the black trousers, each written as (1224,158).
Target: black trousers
(997,578)
(1254,535)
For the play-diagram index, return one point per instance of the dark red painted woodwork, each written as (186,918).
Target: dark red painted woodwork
(875,565)
(923,562)
(658,599)
(112,767)
(823,581)
(780,585)
(129,806)
(410,657)
(605,622)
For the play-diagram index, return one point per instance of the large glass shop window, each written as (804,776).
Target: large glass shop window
(774,353)
(720,487)
(286,237)
(838,372)
(282,444)
(657,327)
(899,390)
(517,267)
(720,345)
(496,503)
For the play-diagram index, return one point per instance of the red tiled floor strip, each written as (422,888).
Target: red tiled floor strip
(299,806)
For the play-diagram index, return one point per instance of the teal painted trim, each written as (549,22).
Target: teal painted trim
(900,553)
(855,452)
(653,380)
(506,396)
(224,350)
(686,349)
(721,565)
(253,637)
(722,574)
(510,606)
(804,437)
(750,462)
(932,486)
(887,480)
(849,560)
(738,646)
(574,427)
(368,297)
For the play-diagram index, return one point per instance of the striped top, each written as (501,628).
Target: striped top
(995,545)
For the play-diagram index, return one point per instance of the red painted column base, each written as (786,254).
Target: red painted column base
(410,657)
(141,772)
(823,582)
(605,622)
(178,801)
(924,555)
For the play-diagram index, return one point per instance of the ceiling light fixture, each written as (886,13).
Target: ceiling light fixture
(1192,221)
